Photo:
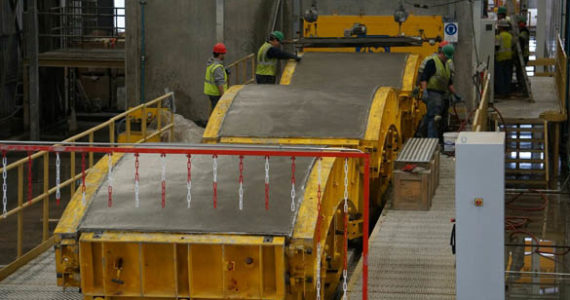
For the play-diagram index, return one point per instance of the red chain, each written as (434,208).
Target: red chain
(215,184)
(189,166)
(82,172)
(163,184)
(266,187)
(136,167)
(293,170)
(110,187)
(241,169)
(30,177)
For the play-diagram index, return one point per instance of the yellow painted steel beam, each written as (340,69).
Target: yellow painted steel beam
(288,71)
(410,73)
(291,141)
(177,265)
(335,25)
(211,133)
(381,101)
(179,238)
(75,209)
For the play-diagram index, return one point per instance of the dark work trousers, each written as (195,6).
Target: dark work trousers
(434,108)
(503,77)
(265,79)
(436,105)
(214,100)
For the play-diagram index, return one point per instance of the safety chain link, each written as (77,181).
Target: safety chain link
(319,220)
(110,179)
(345,268)
(266,182)
(83,188)
(30,178)
(319,271)
(293,183)
(137,199)
(346,185)
(240,191)
(163,179)
(4,184)
(189,180)
(215,179)
(57,179)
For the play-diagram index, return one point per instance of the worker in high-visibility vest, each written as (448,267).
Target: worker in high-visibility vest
(267,57)
(436,81)
(423,63)
(216,79)
(503,59)
(524,38)
(447,98)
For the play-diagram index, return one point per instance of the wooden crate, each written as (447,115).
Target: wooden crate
(413,191)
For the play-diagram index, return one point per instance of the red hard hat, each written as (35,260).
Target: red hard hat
(442,44)
(220,48)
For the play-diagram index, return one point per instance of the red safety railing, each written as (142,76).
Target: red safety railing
(214,151)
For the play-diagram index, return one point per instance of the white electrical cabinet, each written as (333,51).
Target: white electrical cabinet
(480,215)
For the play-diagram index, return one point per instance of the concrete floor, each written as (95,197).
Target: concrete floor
(545,99)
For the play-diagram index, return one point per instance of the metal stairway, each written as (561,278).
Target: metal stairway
(526,160)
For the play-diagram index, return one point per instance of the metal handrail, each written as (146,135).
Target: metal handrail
(560,74)
(241,66)
(481,116)
(162,126)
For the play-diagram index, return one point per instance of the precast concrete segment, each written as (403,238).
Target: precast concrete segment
(201,217)
(289,112)
(329,97)
(359,73)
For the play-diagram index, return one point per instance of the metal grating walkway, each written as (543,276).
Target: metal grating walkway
(410,256)
(36,280)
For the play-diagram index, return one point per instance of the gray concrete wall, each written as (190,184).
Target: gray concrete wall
(179,37)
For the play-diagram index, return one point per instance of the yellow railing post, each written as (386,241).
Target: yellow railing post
(45,233)
(245,70)
(91,139)
(112,132)
(171,135)
(159,115)
(143,123)
(128,128)
(72,172)
(20,230)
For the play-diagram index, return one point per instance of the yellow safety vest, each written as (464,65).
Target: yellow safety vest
(525,48)
(265,65)
(505,42)
(424,62)
(210,87)
(439,81)
(449,63)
